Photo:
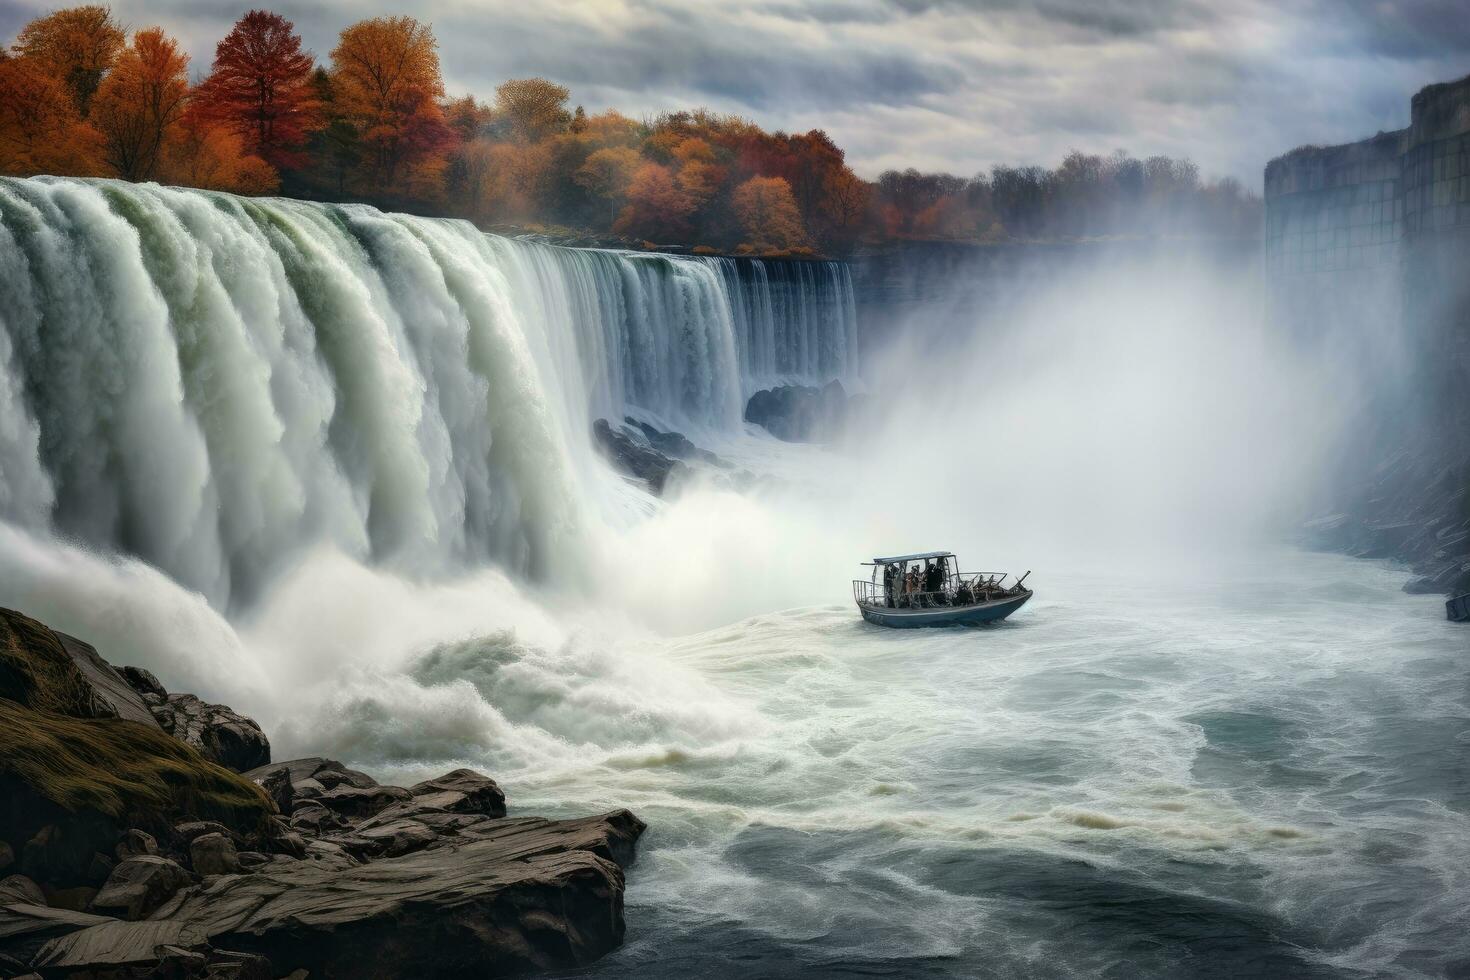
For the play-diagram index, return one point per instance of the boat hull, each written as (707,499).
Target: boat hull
(985,612)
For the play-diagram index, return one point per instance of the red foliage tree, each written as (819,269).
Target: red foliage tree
(260,87)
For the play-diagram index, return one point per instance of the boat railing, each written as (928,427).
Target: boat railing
(961,588)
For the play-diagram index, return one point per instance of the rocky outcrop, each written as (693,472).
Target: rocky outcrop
(326,871)
(1413,508)
(633,456)
(799,413)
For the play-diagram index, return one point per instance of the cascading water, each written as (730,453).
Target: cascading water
(208,382)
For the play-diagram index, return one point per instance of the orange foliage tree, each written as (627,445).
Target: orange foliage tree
(40,131)
(606,173)
(657,207)
(140,102)
(202,153)
(260,87)
(386,82)
(768,213)
(75,46)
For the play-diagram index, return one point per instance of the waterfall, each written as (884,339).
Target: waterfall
(212,383)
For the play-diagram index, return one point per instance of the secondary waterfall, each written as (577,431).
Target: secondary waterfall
(211,382)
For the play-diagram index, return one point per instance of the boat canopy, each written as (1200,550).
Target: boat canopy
(903,558)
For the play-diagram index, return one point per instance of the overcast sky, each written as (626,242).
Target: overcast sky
(957,85)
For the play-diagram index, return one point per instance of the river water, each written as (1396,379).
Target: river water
(1258,770)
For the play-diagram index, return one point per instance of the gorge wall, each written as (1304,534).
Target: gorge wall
(1368,257)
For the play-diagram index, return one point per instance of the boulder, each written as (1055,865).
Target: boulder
(356,803)
(800,413)
(139,885)
(19,888)
(675,445)
(635,458)
(277,786)
(526,894)
(217,732)
(133,843)
(213,854)
(143,682)
(461,791)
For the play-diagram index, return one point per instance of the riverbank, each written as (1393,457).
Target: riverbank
(146,833)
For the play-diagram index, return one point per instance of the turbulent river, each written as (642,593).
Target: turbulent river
(333,467)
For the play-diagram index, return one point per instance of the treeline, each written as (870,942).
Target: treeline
(1086,197)
(80,96)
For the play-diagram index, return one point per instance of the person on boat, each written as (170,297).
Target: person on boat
(890,577)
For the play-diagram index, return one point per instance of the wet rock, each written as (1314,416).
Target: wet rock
(217,732)
(77,898)
(198,828)
(529,894)
(19,888)
(143,682)
(277,786)
(139,885)
(357,803)
(675,445)
(134,843)
(213,854)
(800,413)
(461,791)
(632,457)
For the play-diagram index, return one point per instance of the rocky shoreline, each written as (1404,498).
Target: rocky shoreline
(145,833)
(1412,508)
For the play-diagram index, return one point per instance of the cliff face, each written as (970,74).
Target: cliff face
(1368,244)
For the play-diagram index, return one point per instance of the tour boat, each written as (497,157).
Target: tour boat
(930,594)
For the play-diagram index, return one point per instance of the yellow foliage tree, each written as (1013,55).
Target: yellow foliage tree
(768,213)
(534,106)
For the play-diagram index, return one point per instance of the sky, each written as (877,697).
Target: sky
(956,85)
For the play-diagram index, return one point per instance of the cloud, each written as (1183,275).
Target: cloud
(947,84)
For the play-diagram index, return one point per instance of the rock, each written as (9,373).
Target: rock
(113,944)
(675,444)
(26,927)
(77,898)
(277,786)
(217,732)
(139,885)
(356,803)
(134,843)
(250,860)
(799,413)
(100,868)
(7,855)
(198,828)
(628,455)
(313,819)
(143,681)
(64,853)
(528,894)
(461,791)
(19,888)
(115,697)
(213,854)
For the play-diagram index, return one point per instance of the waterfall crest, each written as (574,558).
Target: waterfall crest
(211,382)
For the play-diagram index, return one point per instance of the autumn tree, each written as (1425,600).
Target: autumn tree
(768,214)
(260,87)
(386,82)
(75,46)
(657,208)
(140,102)
(40,130)
(606,173)
(535,107)
(200,152)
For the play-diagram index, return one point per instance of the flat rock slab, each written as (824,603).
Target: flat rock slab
(523,894)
